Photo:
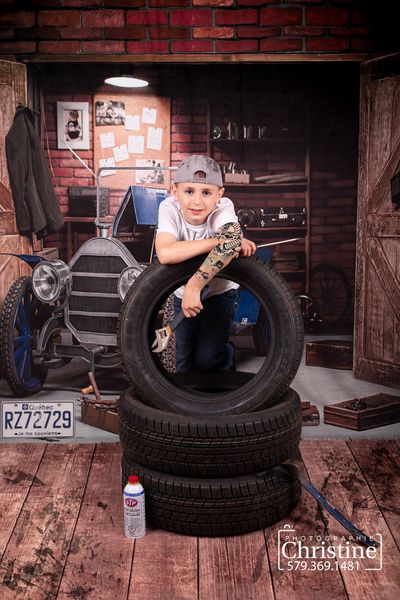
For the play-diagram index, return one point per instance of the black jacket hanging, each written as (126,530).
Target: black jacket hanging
(36,206)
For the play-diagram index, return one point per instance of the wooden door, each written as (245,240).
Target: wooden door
(377,322)
(12,91)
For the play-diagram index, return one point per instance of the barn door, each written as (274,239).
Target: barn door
(12,91)
(377,322)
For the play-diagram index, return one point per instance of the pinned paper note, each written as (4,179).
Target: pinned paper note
(132,122)
(121,153)
(107,140)
(136,144)
(149,115)
(107,162)
(154,138)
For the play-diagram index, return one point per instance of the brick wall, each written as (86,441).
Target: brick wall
(190,26)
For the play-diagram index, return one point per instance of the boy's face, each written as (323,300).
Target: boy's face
(197,200)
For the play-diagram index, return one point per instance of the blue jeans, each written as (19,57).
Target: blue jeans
(202,341)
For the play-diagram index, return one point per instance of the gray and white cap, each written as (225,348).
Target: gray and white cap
(189,167)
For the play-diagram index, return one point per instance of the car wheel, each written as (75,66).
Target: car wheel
(221,446)
(216,507)
(153,383)
(21,321)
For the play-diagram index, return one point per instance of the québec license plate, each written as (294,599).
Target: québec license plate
(37,419)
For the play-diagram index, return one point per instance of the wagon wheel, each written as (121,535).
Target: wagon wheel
(310,311)
(21,320)
(331,289)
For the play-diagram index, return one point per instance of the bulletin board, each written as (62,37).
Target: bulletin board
(132,130)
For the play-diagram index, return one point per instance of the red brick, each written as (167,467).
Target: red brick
(103,18)
(81,3)
(126,33)
(236,17)
(147,47)
(256,2)
(168,3)
(44,3)
(124,3)
(75,33)
(7,34)
(17,19)
(237,46)
(181,137)
(327,15)
(64,47)
(361,44)
(258,32)
(192,147)
(38,33)
(59,18)
(192,46)
(303,31)
(213,32)
(181,119)
(327,44)
(106,46)
(18,47)
(280,16)
(359,16)
(80,172)
(348,31)
(173,33)
(212,2)
(191,18)
(281,45)
(62,172)
(69,181)
(146,17)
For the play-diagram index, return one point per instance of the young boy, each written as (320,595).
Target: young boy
(197,219)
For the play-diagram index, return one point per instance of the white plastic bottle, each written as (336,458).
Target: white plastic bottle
(134,509)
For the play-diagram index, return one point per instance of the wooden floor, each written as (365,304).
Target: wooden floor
(61,531)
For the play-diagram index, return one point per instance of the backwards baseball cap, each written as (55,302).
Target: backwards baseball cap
(199,169)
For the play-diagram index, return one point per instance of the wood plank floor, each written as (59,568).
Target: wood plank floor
(61,532)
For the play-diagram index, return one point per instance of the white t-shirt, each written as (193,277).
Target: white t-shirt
(170,220)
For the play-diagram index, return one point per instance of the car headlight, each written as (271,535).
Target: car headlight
(51,280)
(126,279)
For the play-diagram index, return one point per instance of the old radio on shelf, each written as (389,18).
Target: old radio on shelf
(265,217)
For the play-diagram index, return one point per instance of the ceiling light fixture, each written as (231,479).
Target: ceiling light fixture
(126,81)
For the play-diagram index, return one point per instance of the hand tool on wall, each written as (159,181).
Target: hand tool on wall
(360,536)
(164,333)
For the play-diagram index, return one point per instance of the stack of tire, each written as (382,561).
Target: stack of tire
(209,447)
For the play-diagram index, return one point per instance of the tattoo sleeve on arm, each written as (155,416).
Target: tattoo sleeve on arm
(229,242)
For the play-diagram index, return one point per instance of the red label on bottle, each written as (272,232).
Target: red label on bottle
(130,502)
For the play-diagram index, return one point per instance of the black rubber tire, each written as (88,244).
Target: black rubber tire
(136,333)
(20,295)
(260,334)
(216,507)
(225,446)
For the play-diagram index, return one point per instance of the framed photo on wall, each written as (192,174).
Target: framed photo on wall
(73,125)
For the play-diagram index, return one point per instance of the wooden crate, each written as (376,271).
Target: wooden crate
(101,418)
(365,413)
(331,354)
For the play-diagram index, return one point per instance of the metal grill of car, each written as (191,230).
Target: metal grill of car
(94,304)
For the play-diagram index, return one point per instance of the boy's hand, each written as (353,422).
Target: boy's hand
(247,248)
(191,302)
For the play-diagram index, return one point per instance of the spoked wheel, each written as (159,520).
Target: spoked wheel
(310,311)
(21,320)
(331,289)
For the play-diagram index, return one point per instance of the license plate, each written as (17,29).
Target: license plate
(37,419)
